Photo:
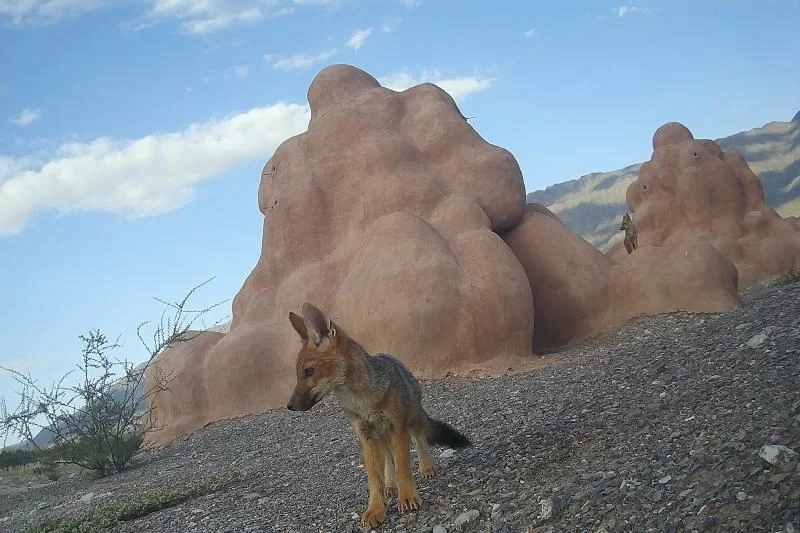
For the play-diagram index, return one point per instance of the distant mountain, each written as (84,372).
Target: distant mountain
(593,204)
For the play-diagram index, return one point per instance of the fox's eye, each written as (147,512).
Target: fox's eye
(310,371)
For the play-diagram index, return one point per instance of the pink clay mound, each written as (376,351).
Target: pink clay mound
(384,214)
(580,292)
(387,214)
(691,191)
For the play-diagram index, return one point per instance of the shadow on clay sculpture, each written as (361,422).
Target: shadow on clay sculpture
(579,292)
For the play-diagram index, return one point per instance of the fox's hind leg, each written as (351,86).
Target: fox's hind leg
(407,496)
(427,464)
(389,482)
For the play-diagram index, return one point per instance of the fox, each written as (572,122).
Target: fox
(381,400)
(631,240)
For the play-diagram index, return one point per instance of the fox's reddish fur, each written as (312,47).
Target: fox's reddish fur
(381,399)
(631,239)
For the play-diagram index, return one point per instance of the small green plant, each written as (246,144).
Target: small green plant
(99,422)
(130,508)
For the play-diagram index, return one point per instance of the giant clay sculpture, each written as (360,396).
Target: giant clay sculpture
(385,213)
(388,214)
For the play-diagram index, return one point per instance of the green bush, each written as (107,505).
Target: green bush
(101,455)
(98,421)
(16,458)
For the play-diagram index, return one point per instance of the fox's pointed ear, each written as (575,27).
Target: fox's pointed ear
(318,323)
(299,325)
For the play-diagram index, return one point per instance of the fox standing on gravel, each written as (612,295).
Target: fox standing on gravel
(381,399)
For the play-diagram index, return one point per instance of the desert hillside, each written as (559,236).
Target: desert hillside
(592,205)
(664,425)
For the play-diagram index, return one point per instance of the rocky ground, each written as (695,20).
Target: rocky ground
(660,426)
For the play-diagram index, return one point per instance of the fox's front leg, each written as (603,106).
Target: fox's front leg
(407,496)
(373,453)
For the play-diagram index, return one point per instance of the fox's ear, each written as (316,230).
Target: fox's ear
(318,323)
(299,325)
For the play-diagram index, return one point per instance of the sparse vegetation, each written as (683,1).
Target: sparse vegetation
(98,423)
(129,508)
(17,458)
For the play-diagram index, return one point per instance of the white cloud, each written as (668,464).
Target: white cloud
(140,177)
(195,16)
(388,25)
(36,12)
(318,2)
(300,61)
(26,116)
(530,34)
(629,10)
(358,38)
(25,365)
(458,87)
(284,12)
(241,71)
(207,16)
(411,4)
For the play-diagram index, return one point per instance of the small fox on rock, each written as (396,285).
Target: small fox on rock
(382,400)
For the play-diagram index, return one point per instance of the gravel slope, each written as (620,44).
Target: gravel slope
(655,427)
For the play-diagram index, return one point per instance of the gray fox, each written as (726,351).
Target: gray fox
(382,400)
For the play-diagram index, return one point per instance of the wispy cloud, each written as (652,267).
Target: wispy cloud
(240,71)
(622,11)
(330,3)
(195,16)
(299,61)
(24,365)
(411,4)
(459,87)
(208,16)
(358,38)
(44,12)
(530,34)
(389,24)
(26,116)
(140,177)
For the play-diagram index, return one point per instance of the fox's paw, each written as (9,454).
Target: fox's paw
(428,472)
(389,491)
(373,516)
(408,502)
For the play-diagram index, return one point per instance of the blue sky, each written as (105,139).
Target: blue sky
(133,132)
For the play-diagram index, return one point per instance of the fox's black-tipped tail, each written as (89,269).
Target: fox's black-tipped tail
(443,434)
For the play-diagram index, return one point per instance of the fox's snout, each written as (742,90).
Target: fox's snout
(300,402)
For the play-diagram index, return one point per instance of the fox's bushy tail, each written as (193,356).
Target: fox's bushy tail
(443,434)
